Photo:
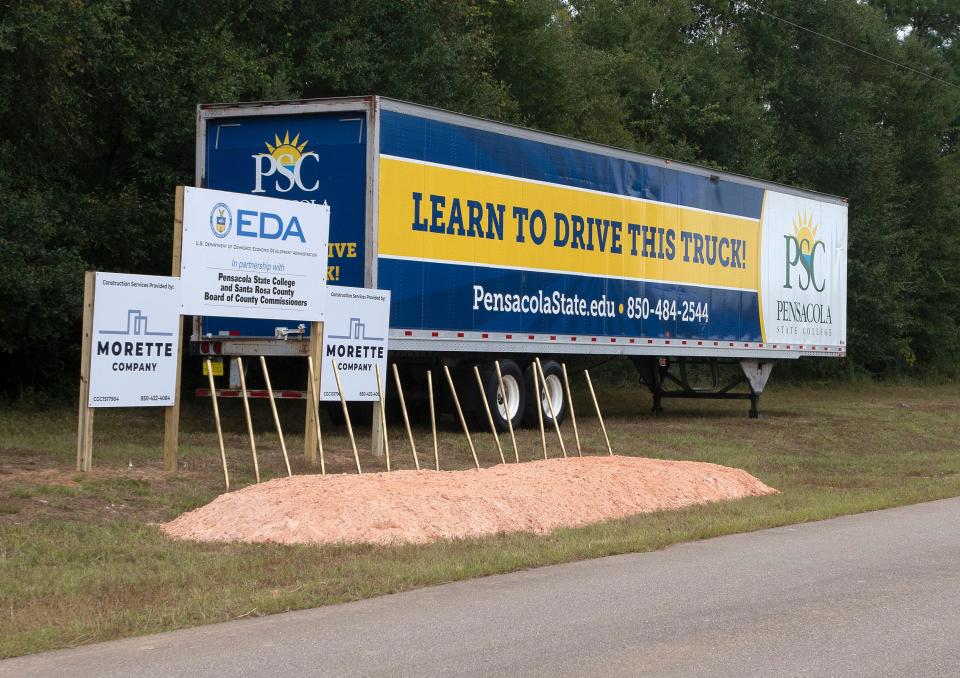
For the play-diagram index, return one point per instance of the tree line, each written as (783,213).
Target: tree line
(849,97)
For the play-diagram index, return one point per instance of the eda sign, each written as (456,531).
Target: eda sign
(250,256)
(355,337)
(133,342)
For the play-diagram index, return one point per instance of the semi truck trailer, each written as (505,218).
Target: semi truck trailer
(502,243)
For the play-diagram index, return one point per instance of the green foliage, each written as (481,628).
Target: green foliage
(97,110)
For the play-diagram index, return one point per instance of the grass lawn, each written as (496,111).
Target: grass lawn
(82,561)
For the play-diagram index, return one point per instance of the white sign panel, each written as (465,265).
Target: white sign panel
(248,256)
(133,352)
(804,274)
(355,336)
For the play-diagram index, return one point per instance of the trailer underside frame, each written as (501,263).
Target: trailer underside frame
(666,378)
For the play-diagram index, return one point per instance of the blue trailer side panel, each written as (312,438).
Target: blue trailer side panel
(435,177)
(311,157)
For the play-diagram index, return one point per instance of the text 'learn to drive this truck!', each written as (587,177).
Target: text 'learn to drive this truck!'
(503,243)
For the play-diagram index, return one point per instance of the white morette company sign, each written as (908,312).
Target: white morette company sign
(133,347)
(355,336)
(249,256)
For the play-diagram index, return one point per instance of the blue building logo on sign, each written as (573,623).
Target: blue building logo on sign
(137,326)
(357,330)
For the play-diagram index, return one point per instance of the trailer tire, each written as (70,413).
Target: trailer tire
(558,396)
(515,400)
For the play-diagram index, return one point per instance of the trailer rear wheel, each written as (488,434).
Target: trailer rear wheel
(553,388)
(509,402)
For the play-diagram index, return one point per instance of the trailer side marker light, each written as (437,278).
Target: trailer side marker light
(509,336)
(530,337)
(407,333)
(434,334)
(573,338)
(460,334)
(485,335)
(553,337)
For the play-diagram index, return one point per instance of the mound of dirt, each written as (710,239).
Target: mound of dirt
(424,506)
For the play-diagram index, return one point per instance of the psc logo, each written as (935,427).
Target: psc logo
(285,158)
(221,220)
(802,248)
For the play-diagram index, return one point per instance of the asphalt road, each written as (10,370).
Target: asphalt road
(876,594)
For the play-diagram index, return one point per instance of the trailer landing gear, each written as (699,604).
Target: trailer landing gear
(704,378)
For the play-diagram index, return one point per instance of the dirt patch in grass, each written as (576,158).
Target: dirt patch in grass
(30,496)
(425,506)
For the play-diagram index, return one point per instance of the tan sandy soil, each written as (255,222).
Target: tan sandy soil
(423,506)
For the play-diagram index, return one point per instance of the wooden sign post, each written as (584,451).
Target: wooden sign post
(85,419)
(312,431)
(171,415)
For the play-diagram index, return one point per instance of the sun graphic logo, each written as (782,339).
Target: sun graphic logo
(221,220)
(286,158)
(287,152)
(802,249)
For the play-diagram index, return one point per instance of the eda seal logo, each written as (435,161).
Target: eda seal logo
(801,249)
(221,220)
